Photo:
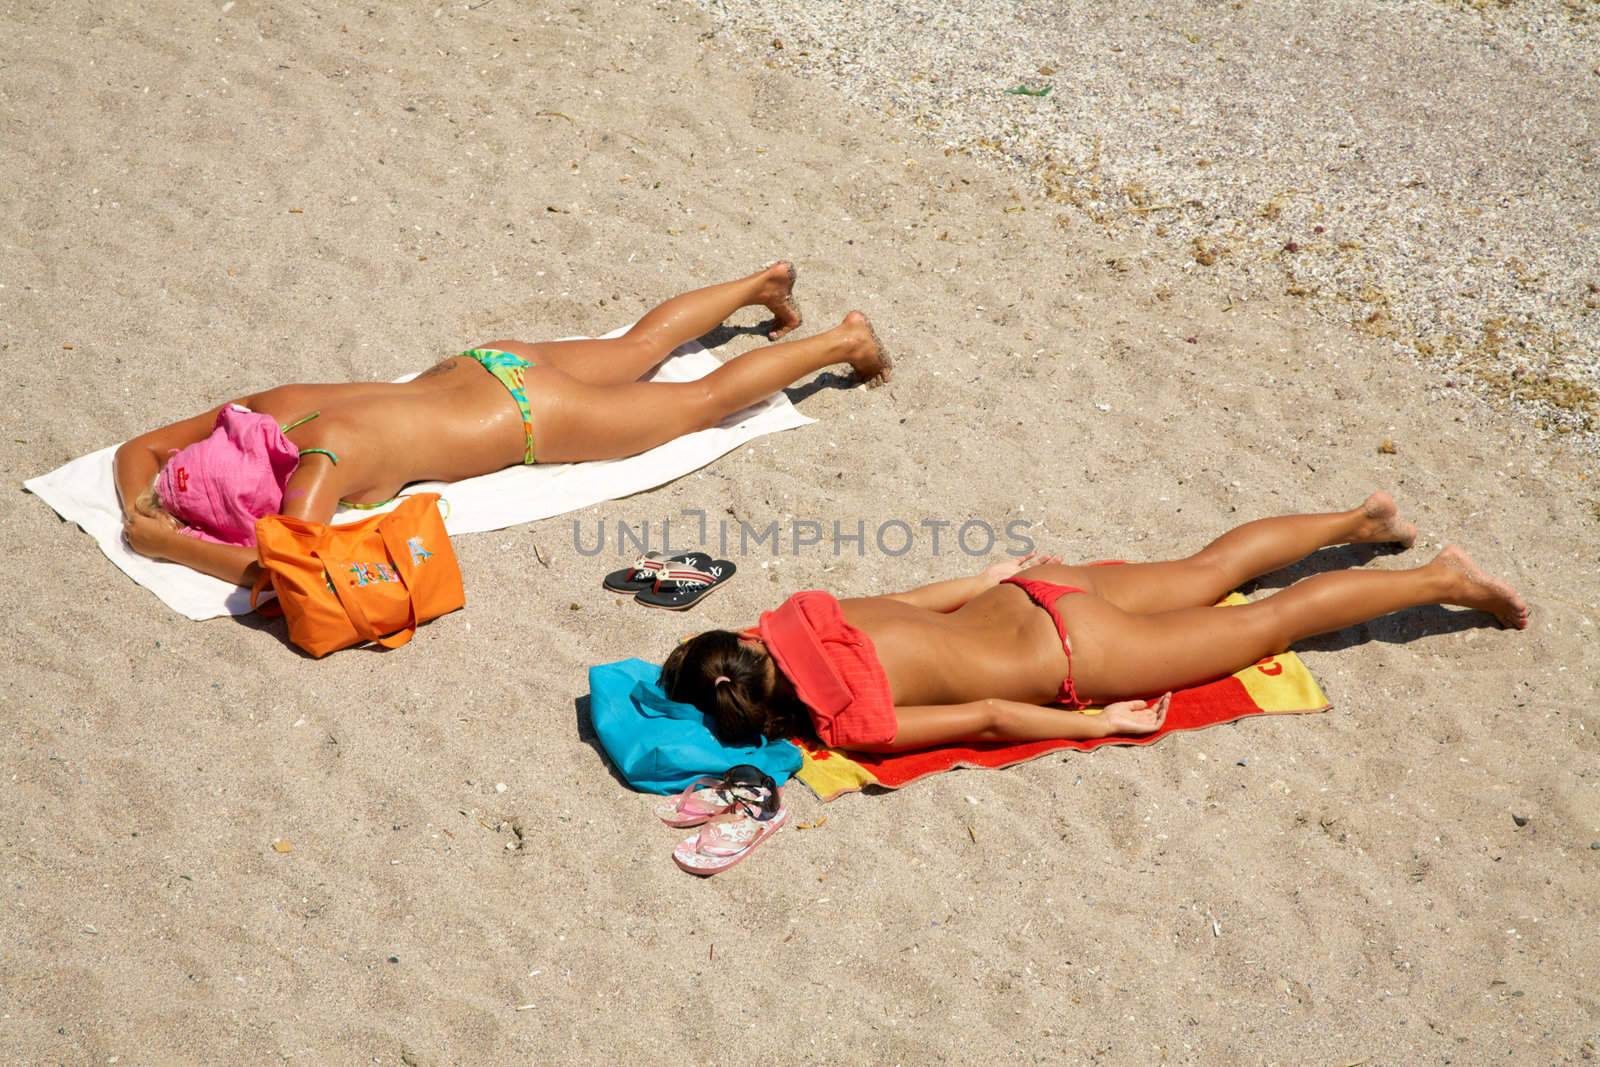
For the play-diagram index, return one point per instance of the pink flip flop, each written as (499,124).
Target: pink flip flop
(703,798)
(728,838)
(712,794)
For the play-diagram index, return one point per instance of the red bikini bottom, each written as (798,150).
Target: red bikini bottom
(1045,594)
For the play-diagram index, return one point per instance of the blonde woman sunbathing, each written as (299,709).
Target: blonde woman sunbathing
(1000,656)
(192,491)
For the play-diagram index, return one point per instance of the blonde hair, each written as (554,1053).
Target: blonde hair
(148,503)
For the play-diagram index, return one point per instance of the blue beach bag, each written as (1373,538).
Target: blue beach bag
(660,745)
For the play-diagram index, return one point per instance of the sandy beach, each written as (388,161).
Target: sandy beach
(203,199)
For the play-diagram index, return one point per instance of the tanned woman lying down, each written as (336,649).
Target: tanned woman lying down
(193,490)
(1009,654)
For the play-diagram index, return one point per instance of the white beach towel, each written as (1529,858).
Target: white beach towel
(84,491)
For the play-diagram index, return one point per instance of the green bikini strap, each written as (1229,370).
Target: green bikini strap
(309,451)
(324,452)
(367,507)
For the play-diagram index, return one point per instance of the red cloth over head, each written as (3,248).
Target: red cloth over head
(833,668)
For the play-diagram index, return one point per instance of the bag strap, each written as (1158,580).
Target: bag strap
(399,548)
(419,508)
(358,616)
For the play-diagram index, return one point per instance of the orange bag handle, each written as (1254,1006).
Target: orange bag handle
(400,554)
(358,616)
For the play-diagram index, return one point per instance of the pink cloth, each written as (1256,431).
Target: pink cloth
(219,487)
(834,669)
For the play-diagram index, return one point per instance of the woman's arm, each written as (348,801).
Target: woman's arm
(926,725)
(160,538)
(312,494)
(950,595)
(313,490)
(139,458)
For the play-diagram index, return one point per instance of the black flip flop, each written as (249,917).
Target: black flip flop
(645,570)
(677,588)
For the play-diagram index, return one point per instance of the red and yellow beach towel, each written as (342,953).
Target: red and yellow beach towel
(1278,685)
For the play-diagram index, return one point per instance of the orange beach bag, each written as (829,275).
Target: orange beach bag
(372,580)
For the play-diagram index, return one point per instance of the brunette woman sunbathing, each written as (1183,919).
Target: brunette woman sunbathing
(997,657)
(192,491)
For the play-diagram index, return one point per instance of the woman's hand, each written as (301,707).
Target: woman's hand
(996,573)
(149,535)
(1135,716)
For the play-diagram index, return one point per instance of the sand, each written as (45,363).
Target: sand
(201,202)
(1422,171)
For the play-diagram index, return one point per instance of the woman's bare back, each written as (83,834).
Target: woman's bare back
(996,645)
(453,421)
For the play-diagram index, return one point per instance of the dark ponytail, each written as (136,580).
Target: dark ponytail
(730,681)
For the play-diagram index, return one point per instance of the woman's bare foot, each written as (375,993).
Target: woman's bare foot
(1381,523)
(777,296)
(1479,590)
(873,365)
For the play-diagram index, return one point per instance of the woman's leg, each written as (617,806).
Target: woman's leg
(575,421)
(1117,654)
(1243,553)
(683,318)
